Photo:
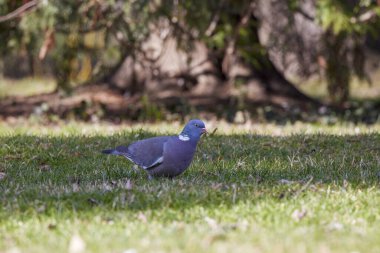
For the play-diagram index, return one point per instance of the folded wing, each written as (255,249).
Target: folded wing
(147,153)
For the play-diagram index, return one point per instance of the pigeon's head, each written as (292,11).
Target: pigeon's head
(193,130)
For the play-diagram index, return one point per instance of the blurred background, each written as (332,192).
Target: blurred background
(260,60)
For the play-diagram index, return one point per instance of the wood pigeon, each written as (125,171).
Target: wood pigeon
(164,156)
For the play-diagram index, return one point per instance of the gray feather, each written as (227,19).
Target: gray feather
(145,153)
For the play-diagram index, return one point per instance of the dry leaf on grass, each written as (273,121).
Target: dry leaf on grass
(212,223)
(45,167)
(2,175)
(142,217)
(286,181)
(128,185)
(130,251)
(298,215)
(77,245)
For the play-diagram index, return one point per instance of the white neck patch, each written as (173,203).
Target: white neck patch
(183,137)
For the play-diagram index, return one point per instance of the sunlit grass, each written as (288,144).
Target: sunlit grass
(25,86)
(251,188)
(315,87)
(359,89)
(34,126)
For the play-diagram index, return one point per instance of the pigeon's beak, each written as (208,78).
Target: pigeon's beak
(204,130)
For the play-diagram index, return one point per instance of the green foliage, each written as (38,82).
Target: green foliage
(219,24)
(83,31)
(150,111)
(92,38)
(10,35)
(344,24)
(293,4)
(341,16)
(333,15)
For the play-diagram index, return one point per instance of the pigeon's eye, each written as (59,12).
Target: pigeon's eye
(196,125)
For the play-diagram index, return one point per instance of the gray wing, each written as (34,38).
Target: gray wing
(146,153)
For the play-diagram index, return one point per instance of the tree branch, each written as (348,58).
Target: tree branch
(19,11)
(231,43)
(215,19)
(366,17)
(305,14)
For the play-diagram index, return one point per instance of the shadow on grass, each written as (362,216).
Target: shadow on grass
(51,174)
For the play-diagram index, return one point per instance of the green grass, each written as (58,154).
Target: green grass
(315,87)
(359,90)
(25,86)
(259,188)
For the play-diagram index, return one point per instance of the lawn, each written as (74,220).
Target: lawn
(251,188)
(25,86)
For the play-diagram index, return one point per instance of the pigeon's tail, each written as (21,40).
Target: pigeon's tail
(110,152)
